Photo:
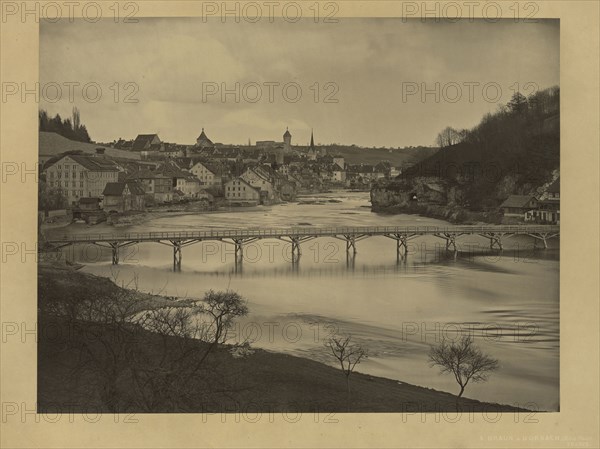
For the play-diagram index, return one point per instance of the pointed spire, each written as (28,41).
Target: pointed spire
(312,140)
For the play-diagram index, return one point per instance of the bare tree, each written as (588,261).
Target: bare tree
(145,354)
(171,380)
(449,136)
(223,308)
(348,355)
(464,360)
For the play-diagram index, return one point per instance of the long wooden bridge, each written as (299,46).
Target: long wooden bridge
(297,235)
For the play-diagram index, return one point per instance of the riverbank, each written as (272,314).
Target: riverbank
(141,218)
(452,214)
(428,197)
(258,380)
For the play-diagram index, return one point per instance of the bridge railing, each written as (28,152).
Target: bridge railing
(216,233)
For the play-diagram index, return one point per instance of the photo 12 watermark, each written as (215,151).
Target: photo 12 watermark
(70,91)
(270,92)
(270,11)
(55,11)
(453,11)
(61,413)
(466,91)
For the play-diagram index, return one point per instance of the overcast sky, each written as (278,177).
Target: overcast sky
(369,61)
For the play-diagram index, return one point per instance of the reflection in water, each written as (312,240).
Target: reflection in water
(397,307)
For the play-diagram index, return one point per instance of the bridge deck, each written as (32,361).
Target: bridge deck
(219,234)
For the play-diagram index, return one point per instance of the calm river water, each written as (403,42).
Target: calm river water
(508,302)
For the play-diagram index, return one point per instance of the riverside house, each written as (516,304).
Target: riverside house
(260,179)
(81,176)
(209,174)
(549,210)
(520,207)
(158,187)
(123,197)
(238,190)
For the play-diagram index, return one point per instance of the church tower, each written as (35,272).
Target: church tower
(312,152)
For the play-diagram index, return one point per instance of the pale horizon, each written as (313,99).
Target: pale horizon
(367,60)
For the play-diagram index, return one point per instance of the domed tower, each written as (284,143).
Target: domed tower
(287,141)
(203,140)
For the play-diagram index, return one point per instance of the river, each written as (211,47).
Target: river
(509,302)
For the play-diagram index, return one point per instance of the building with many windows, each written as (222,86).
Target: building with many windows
(158,187)
(239,191)
(209,174)
(81,176)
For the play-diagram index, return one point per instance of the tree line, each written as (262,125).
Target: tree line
(70,127)
(520,110)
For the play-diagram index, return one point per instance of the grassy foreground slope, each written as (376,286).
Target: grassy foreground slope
(257,381)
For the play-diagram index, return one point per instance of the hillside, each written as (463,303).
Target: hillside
(513,151)
(51,144)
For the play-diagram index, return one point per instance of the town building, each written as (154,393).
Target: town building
(123,197)
(549,206)
(146,142)
(158,187)
(338,172)
(238,190)
(520,207)
(266,144)
(81,176)
(339,161)
(210,174)
(260,179)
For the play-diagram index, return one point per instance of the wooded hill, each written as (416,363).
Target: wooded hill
(512,151)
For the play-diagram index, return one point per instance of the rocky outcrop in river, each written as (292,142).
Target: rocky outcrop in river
(428,196)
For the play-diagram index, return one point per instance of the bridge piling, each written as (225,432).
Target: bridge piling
(115,252)
(177,255)
(541,237)
(296,252)
(495,239)
(238,250)
(450,241)
(350,244)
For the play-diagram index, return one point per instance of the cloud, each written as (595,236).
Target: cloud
(367,59)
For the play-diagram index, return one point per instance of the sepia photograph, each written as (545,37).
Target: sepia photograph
(299,215)
(299,224)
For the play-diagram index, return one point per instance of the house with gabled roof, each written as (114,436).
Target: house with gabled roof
(237,190)
(259,178)
(144,142)
(81,175)
(210,174)
(519,207)
(158,187)
(123,197)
